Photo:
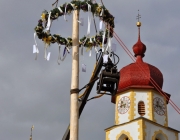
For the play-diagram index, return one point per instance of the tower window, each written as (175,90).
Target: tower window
(141,108)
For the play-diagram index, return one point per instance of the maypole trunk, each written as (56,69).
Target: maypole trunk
(74,106)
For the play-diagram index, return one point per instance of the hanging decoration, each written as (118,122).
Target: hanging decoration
(42,30)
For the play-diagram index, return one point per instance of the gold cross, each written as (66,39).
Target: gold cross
(139,16)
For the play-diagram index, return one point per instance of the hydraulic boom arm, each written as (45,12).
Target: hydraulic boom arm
(82,103)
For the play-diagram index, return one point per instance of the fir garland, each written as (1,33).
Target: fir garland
(96,9)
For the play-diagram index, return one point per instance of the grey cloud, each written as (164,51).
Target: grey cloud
(37,92)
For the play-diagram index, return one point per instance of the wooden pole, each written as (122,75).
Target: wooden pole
(74,106)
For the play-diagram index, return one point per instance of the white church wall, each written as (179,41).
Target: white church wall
(151,130)
(122,118)
(128,129)
(141,96)
(161,119)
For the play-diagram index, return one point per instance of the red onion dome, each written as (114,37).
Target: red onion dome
(139,74)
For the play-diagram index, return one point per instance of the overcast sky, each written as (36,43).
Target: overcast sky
(37,92)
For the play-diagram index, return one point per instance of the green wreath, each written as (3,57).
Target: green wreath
(96,9)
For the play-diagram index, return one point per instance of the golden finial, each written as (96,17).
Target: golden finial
(31,132)
(138,17)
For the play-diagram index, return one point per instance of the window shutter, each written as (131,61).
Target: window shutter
(141,108)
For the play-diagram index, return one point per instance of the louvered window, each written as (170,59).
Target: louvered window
(141,108)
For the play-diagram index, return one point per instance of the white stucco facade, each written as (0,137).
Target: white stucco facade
(122,118)
(141,96)
(132,125)
(161,119)
(146,96)
(156,131)
(116,132)
(141,129)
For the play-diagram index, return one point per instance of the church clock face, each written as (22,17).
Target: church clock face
(159,106)
(123,105)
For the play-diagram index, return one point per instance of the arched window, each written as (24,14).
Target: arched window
(123,137)
(161,136)
(141,108)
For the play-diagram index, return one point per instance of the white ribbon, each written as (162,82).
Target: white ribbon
(82,49)
(100,25)
(81,21)
(103,40)
(90,52)
(62,12)
(48,56)
(45,51)
(65,13)
(68,50)
(88,30)
(102,12)
(108,49)
(35,38)
(91,47)
(109,43)
(49,22)
(59,56)
(67,46)
(60,9)
(83,68)
(84,41)
(72,6)
(83,46)
(89,20)
(35,48)
(105,58)
(95,47)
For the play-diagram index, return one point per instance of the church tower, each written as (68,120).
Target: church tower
(140,108)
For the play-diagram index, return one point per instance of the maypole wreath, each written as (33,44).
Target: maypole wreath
(42,30)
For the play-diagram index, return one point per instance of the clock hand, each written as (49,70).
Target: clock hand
(121,104)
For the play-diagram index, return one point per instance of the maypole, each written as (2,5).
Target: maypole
(74,108)
(102,39)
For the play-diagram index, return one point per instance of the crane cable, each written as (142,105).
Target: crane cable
(132,57)
(141,68)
